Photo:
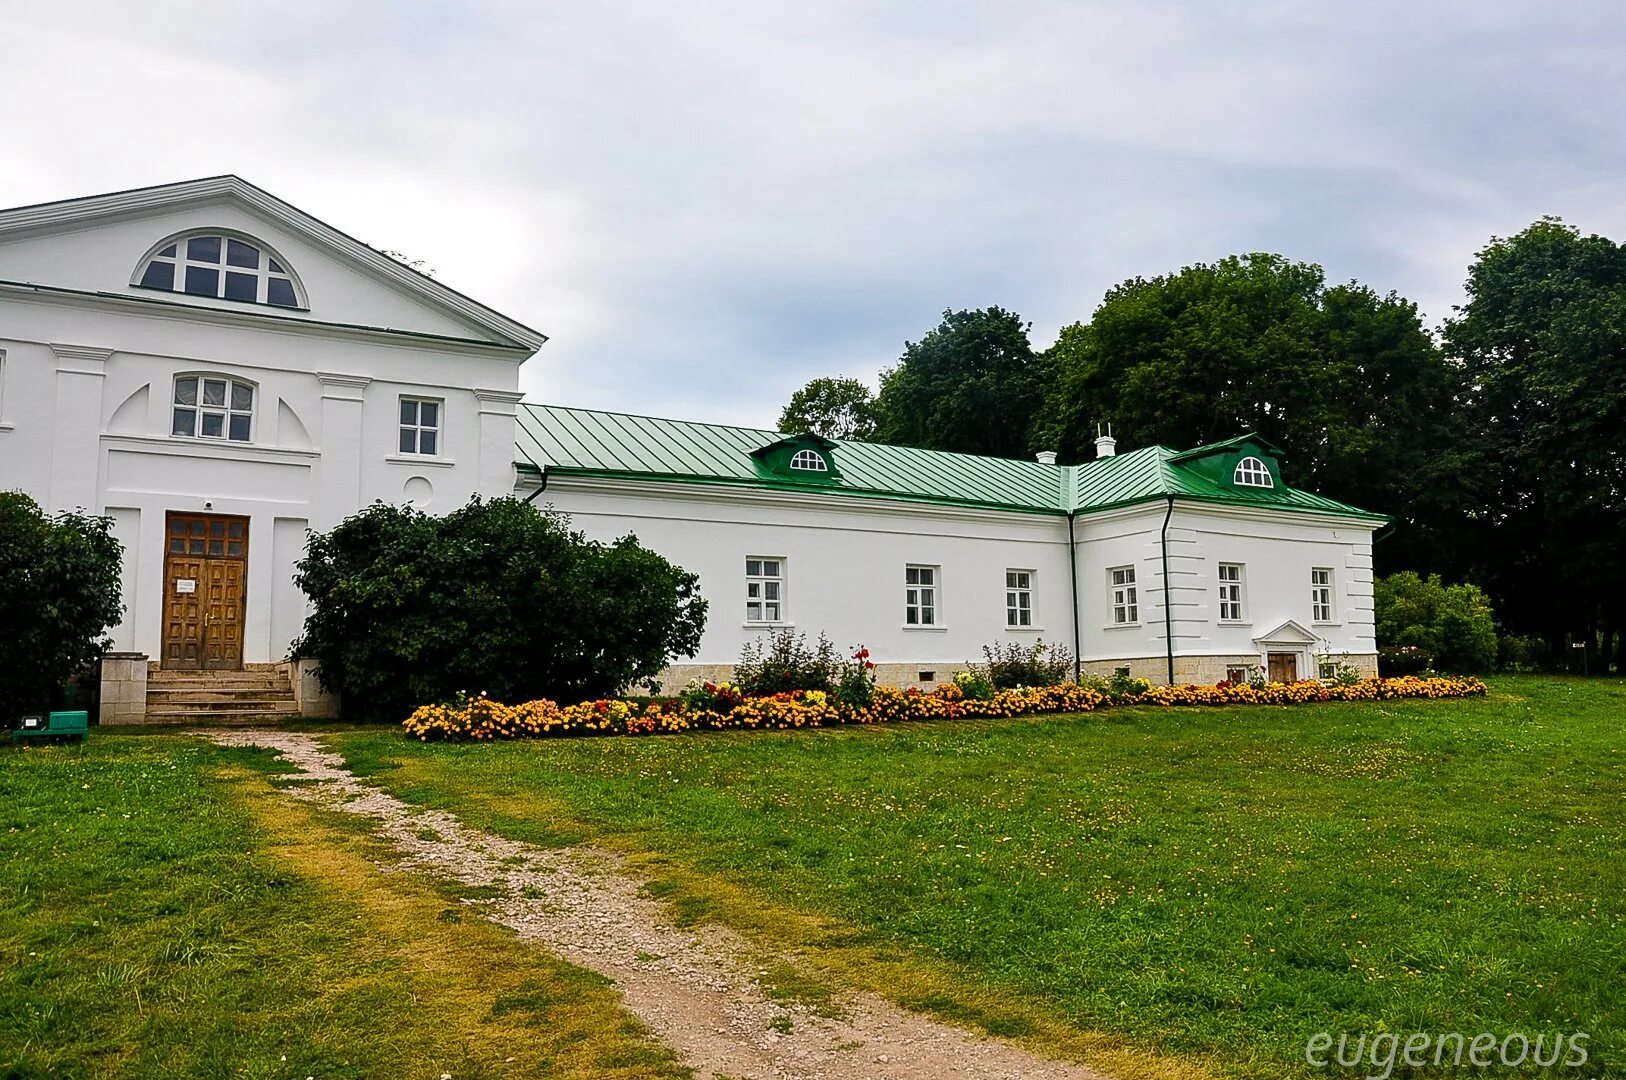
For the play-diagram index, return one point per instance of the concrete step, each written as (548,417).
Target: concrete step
(227,716)
(204,691)
(216,702)
(227,685)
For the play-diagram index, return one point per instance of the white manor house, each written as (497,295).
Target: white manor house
(219,372)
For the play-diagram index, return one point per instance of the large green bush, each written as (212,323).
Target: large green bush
(498,596)
(1453,622)
(59,592)
(786,662)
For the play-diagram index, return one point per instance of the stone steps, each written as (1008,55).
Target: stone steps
(257,694)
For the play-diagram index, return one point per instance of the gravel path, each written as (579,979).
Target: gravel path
(695,988)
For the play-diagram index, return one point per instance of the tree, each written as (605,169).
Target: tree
(1350,382)
(837,408)
(1453,622)
(971,385)
(408,609)
(1542,341)
(59,593)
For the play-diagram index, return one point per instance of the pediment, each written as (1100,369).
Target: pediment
(1289,633)
(98,245)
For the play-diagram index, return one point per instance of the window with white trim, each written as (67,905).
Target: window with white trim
(1328,669)
(1251,472)
(1321,594)
(420,425)
(764,589)
(1018,599)
(1230,592)
(224,267)
(2,386)
(212,407)
(920,596)
(808,461)
(1125,595)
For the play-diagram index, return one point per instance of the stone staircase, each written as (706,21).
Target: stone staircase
(259,694)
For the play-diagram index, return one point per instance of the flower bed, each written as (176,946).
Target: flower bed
(484,719)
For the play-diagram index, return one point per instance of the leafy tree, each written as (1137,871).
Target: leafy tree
(1542,341)
(59,593)
(1348,380)
(498,596)
(1453,622)
(837,408)
(971,385)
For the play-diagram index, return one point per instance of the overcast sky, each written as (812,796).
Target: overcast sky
(705,205)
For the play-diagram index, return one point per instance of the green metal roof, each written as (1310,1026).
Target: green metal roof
(553,440)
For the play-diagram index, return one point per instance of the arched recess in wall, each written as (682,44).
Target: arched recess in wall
(291,431)
(130,418)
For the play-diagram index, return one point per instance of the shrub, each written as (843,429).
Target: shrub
(498,596)
(59,593)
(1404,660)
(974,685)
(855,683)
(1520,653)
(1453,622)
(787,663)
(1012,664)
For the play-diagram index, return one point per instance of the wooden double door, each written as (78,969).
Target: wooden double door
(205,591)
(1284,667)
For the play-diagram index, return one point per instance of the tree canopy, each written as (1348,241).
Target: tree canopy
(837,408)
(59,594)
(408,609)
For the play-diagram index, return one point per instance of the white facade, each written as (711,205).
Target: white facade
(89,363)
(94,366)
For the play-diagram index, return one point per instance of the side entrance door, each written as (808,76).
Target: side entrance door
(1284,667)
(205,591)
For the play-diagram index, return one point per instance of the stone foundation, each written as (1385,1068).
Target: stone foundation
(677,676)
(124,688)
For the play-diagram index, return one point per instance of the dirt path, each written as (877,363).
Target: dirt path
(695,988)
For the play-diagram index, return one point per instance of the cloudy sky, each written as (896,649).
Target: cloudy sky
(707,204)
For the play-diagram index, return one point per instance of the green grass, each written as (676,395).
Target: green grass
(1212,884)
(164,913)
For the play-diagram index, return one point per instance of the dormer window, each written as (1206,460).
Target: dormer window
(809,461)
(1251,472)
(222,267)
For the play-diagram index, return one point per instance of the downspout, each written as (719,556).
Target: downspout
(1168,607)
(543,486)
(1072,563)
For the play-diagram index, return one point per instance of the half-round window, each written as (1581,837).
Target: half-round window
(1251,472)
(809,461)
(212,407)
(223,267)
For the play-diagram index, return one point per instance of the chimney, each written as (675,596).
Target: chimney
(1105,445)
(1047,457)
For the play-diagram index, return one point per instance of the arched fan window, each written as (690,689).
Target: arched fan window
(223,267)
(1251,472)
(808,461)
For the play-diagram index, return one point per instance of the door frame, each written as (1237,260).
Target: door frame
(205,557)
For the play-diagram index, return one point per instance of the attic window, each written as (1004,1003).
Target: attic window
(1251,472)
(809,461)
(222,267)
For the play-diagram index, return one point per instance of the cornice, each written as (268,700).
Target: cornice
(80,359)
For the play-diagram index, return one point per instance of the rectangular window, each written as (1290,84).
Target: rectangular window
(1125,597)
(764,589)
(420,426)
(2,386)
(1018,598)
(1236,674)
(1329,669)
(1230,592)
(920,596)
(1321,594)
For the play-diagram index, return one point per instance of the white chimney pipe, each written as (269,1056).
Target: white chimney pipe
(1047,457)
(1105,444)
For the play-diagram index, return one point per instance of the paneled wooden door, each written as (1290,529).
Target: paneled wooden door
(205,591)
(1284,667)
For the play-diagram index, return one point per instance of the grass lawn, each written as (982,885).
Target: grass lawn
(165,913)
(1217,883)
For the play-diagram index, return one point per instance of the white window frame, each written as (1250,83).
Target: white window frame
(757,587)
(809,461)
(3,425)
(1231,580)
(417,429)
(1323,596)
(269,267)
(225,410)
(922,597)
(1252,472)
(1019,599)
(1123,595)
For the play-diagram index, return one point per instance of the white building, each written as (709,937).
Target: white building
(218,371)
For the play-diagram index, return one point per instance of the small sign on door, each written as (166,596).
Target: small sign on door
(186,585)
